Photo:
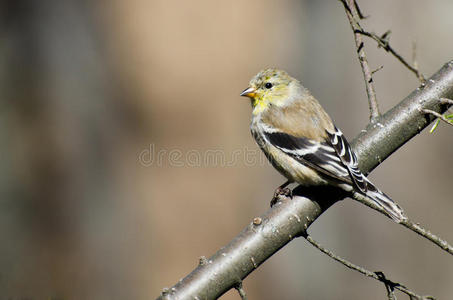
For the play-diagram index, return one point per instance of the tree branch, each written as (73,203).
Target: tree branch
(385,44)
(289,219)
(241,291)
(390,285)
(446,118)
(351,8)
(417,228)
(446,101)
(438,115)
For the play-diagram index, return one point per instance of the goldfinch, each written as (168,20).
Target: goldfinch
(300,140)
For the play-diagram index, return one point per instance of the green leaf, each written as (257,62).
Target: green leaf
(434,126)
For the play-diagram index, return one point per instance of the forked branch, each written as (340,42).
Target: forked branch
(352,11)
(390,285)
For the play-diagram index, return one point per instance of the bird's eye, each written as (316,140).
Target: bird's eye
(268,85)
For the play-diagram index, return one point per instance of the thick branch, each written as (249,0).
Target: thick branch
(397,126)
(280,224)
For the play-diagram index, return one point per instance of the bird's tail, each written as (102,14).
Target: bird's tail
(384,201)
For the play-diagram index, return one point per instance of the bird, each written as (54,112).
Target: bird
(301,141)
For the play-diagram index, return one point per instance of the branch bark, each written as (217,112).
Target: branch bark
(289,219)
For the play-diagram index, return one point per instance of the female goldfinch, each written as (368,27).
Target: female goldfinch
(301,141)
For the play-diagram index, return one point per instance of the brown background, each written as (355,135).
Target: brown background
(87,86)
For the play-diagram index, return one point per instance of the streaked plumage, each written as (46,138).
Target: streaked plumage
(301,141)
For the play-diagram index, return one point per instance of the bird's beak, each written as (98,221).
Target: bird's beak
(249,92)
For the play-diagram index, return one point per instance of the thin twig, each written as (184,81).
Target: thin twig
(440,117)
(446,101)
(414,57)
(359,12)
(384,43)
(390,285)
(352,11)
(241,291)
(444,245)
(352,6)
(437,115)
(377,69)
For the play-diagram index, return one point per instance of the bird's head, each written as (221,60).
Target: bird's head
(271,87)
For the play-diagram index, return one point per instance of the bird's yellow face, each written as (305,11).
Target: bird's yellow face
(269,87)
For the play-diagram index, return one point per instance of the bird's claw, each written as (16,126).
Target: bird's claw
(281,194)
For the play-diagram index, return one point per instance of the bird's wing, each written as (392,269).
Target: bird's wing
(348,159)
(320,156)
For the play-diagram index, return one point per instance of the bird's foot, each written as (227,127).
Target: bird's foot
(281,194)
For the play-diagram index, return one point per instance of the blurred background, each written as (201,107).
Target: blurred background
(126,152)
